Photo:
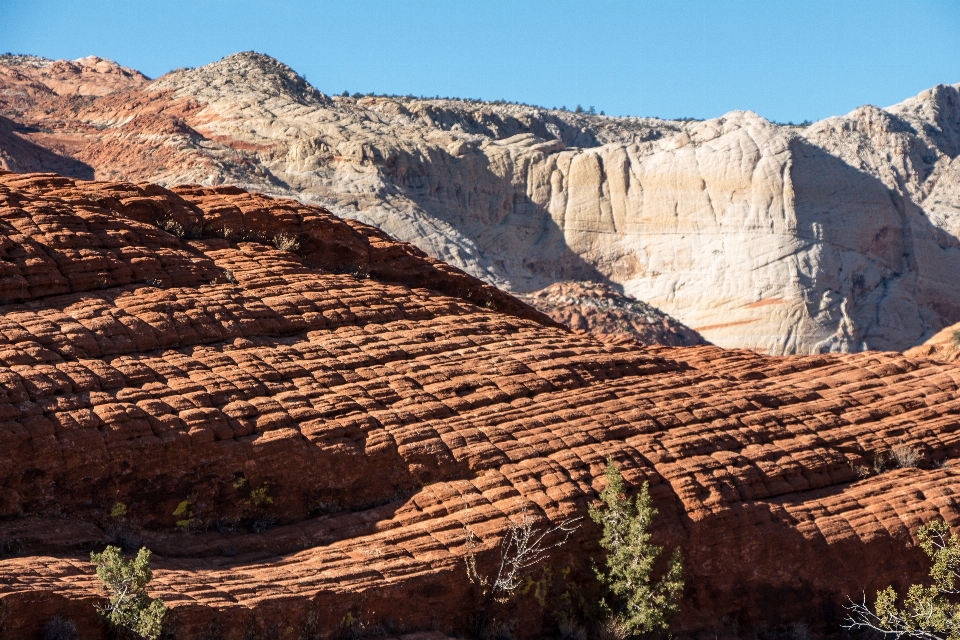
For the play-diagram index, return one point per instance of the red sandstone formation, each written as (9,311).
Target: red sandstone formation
(945,346)
(601,310)
(382,409)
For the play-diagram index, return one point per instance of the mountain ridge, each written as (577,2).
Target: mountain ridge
(850,223)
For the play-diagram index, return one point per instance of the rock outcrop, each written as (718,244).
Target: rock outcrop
(943,346)
(381,410)
(840,236)
(605,312)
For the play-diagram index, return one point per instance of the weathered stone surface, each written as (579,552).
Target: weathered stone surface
(841,236)
(605,312)
(382,417)
(943,346)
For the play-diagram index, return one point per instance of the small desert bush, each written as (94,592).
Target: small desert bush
(351,627)
(862,471)
(900,457)
(640,604)
(194,232)
(255,508)
(122,532)
(186,520)
(564,596)
(125,581)
(259,498)
(171,226)
(612,628)
(523,549)
(928,613)
(904,457)
(60,629)
(286,241)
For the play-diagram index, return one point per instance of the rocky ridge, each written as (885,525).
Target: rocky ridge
(152,358)
(605,312)
(840,236)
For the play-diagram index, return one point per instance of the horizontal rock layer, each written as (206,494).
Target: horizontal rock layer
(381,419)
(840,236)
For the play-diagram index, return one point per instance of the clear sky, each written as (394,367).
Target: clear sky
(787,60)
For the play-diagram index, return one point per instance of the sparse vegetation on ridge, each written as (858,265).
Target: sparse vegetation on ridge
(579,110)
(20,58)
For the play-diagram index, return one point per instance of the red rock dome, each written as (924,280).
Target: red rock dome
(161,348)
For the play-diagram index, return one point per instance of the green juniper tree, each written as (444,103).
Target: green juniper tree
(642,604)
(129,606)
(928,613)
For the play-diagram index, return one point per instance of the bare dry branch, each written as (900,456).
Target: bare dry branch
(523,548)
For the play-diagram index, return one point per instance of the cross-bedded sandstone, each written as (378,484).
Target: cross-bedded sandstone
(383,411)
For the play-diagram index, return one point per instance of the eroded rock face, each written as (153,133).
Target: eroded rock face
(605,312)
(381,417)
(837,237)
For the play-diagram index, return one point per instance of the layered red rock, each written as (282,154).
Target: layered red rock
(382,410)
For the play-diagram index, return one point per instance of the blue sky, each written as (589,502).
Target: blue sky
(787,60)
